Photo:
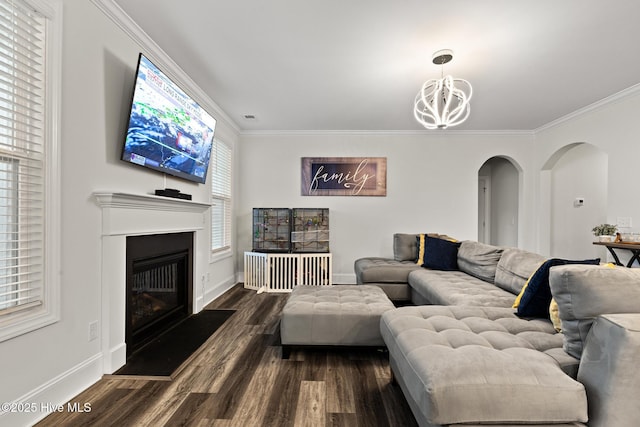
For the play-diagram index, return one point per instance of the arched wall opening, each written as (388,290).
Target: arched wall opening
(499,190)
(576,172)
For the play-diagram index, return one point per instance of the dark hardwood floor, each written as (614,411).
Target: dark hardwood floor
(237,378)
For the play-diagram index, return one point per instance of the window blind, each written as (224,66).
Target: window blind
(221,197)
(22,91)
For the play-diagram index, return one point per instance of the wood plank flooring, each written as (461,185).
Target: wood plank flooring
(237,378)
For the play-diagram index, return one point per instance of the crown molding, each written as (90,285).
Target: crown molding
(160,58)
(384,132)
(630,91)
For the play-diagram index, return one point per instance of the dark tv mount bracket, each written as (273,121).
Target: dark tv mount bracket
(172,192)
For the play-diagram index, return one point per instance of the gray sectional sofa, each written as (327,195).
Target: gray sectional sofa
(487,275)
(462,356)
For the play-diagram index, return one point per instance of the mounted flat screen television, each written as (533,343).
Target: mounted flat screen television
(168,131)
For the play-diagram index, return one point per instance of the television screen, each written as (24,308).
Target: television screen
(168,131)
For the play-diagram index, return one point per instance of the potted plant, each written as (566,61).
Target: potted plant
(605,232)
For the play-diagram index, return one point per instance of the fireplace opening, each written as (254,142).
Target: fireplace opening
(159,285)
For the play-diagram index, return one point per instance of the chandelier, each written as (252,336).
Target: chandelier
(442,102)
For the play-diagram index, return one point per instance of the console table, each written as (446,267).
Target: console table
(634,248)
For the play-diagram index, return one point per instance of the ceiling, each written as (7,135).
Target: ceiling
(358,64)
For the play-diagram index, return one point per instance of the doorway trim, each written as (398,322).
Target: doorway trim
(484,215)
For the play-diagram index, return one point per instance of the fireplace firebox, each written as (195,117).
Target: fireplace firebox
(159,270)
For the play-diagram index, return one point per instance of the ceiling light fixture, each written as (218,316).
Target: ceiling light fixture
(443,102)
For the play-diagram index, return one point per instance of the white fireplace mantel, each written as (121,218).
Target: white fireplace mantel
(147,201)
(126,214)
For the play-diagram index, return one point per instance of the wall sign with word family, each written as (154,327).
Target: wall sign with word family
(344,176)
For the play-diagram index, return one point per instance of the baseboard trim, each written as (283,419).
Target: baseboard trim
(215,292)
(55,393)
(115,359)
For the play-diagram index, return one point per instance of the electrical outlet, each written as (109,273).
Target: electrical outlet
(93,331)
(624,222)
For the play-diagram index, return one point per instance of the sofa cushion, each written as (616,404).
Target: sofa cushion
(405,247)
(479,260)
(440,254)
(535,296)
(515,267)
(481,365)
(382,270)
(609,370)
(584,292)
(420,244)
(455,288)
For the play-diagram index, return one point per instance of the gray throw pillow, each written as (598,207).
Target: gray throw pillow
(479,260)
(405,247)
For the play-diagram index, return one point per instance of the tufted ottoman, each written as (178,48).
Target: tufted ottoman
(482,365)
(343,315)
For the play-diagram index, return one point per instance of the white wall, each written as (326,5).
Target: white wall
(56,362)
(580,173)
(612,127)
(432,180)
(431,186)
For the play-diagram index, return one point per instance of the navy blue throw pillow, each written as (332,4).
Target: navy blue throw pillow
(440,254)
(537,296)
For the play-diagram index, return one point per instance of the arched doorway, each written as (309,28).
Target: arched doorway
(498,201)
(575,171)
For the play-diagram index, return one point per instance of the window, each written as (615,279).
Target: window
(28,172)
(221,197)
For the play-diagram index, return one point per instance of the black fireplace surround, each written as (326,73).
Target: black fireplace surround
(159,271)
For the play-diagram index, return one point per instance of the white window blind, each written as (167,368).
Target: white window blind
(221,197)
(22,92)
